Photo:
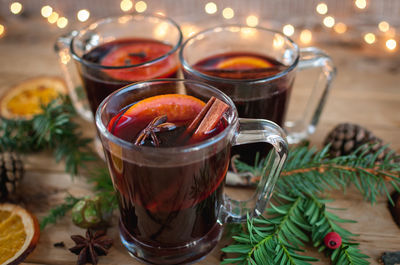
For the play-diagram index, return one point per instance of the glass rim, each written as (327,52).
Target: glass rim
(165,150)
(190,69)
(114,18)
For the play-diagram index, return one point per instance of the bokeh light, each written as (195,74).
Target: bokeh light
(322,8)
(83,15)
(306,36)
(2,30)
(62,22)
(46,11)
(383,26)
(340,28)
(369,38)
(228,13)
(126,5)
(252,21)
(140,6)
(329,21)
(391,44)
(361,4)
(288,30)
(53,18)
(16,8)
(211,8)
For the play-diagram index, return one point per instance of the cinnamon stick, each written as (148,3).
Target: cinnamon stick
(207,119)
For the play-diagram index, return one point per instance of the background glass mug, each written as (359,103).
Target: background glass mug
(262,92)
(171,199)
(100,53)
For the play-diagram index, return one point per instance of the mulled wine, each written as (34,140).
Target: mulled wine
(165,208)
(270,104)
(117,63)
(265,100)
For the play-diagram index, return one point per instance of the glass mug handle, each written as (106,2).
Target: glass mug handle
(72,78)
(312,57)
(255,131)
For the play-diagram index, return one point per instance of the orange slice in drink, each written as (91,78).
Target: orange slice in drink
(19,233)
(243,62)
(137,53)
(178,108)
(25,99)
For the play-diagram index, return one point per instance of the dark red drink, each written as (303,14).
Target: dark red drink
(115,64)
(269,104)
(235,74)
(164,208)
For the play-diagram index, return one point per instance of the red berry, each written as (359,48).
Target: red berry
(332,240)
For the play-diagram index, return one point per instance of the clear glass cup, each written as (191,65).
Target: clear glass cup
(90,80)
(264,94)
(172,200)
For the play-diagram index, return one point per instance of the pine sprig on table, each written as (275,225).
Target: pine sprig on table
(53,129)
(59,211)
(308,171)
(297,215)
(280,238)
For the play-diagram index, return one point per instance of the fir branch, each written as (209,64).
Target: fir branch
(279,238)
(274,240)
(308,171)
(53,129)
(59,211)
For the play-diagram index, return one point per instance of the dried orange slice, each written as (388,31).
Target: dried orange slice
(19,233)
(177,107)
(243,62)
(24,100)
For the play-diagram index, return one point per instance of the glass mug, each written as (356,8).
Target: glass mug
(99,51)
(171,199)
(262,92)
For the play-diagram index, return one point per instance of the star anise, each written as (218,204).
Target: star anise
(90,248)
(159,124)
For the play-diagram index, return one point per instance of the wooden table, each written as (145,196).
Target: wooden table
(366,92)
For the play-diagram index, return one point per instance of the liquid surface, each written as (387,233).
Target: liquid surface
(99,83)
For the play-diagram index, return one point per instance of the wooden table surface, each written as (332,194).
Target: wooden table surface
(366,91)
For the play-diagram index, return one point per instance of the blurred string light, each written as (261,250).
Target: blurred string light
(83,15)
(340,28)
(329,21)
(369,38)
(391,44)
(46,11)
(126,5)
(288,30)
(383,26)
(53,18)
(160,13)
(321,8)
(228,13)
(16,8)
(189,30)
(361,4)
(306,36)
(211,8)
(2,30)
(278,41)
(252,21)
(62,22)
(140,6)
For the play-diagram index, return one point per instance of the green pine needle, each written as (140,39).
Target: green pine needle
(53,129)
(59,211)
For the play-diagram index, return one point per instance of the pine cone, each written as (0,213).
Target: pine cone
(11,172)
(345,138)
